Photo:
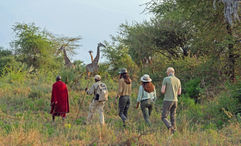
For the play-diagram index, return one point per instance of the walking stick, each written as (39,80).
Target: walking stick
(81,102)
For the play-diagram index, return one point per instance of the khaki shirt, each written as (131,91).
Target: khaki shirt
(172,84)
(124,89)
(93,89)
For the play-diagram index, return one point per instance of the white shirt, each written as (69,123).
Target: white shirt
(143,95)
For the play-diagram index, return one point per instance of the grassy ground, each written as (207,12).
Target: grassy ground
(25,120)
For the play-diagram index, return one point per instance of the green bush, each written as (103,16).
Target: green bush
(221,110)
(192,89)
(236,91)
(193,112)
(14,72)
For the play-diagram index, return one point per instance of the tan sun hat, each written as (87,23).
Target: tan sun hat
(146,78)
(97,77)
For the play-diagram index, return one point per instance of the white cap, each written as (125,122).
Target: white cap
(97,77)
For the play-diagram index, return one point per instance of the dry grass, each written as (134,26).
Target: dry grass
(26,121)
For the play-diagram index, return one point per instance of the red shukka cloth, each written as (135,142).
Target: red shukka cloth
(59,99)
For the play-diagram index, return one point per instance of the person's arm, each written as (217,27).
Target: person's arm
(163,90)
(139,96)
(179,89)
(91,90)
(120,88)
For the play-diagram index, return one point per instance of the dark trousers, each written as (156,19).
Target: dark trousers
(169,107)
(146,108)
(124,103)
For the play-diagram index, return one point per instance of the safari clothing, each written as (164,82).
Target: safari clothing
(169,106)
(124,91)
(93,89)
(147,101)
(123,88)
(99,107)
(124,104)
(95,105)
(143,95)
(172,84)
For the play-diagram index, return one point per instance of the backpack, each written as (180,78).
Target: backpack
(102,92)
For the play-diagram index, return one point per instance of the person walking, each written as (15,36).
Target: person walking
(59,99)
(124,92)
(97,102)
(171,88)
(146,97)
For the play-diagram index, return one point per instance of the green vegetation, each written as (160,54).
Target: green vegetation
(189,35)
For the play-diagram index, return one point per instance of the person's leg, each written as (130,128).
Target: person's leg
(127,106)
(92,109)
(145,112)
(53,118)
(165,112)
(101,113)
(173,114)
(150,107)
(122,104)
(63,115)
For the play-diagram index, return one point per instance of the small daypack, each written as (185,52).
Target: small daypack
(102,92)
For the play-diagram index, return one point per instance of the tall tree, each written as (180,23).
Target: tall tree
(33,46)
(211,35)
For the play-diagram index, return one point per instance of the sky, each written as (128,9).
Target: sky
(93,20)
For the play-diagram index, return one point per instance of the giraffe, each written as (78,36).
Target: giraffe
(68,63)
(93,67)
(91,56)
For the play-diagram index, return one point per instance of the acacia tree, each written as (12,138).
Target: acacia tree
(33,47)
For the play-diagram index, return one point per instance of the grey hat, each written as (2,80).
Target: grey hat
(146,78)
(97,77)
(123,70)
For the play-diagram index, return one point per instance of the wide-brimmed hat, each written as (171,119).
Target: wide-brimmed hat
(123,70)
(146,78)
(97,77)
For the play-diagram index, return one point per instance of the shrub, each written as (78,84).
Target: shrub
(192,89)
(221,110)
(14,72)
(236,91)
(193,112)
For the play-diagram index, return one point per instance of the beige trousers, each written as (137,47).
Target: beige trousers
(96,106)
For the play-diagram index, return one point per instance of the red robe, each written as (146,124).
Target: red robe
(59,99)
